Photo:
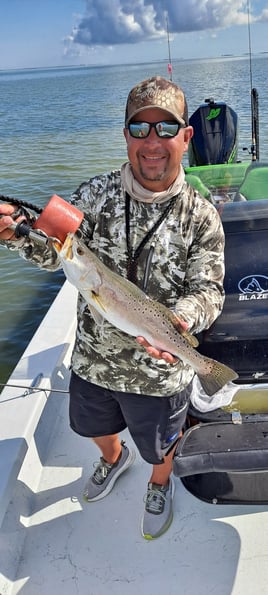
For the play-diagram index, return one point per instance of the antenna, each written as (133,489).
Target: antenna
(249,44)
(169,67)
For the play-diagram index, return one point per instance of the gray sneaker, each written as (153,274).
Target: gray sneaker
(104,477)
(158,512)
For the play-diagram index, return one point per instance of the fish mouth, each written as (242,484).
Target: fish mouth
(68,246)
(65,249)
(56,244)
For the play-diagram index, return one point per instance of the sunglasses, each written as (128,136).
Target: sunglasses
(163,129)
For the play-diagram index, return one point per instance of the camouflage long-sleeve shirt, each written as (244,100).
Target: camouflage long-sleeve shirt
(186,274)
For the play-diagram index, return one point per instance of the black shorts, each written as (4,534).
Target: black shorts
(153,422)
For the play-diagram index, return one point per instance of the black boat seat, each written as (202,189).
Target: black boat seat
(225,463)
(217,447)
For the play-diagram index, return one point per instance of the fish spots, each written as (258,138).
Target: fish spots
(128,308)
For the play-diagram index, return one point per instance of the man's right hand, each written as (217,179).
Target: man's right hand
(6,212)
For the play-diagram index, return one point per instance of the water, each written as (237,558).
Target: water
(58,127)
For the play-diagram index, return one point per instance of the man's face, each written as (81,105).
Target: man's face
(156,161)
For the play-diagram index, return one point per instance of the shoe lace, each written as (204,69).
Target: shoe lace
(155,499)
(102,471)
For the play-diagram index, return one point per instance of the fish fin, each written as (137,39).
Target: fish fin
(183,332)
(193,341)
(97,317)
(217,378)
(96,298)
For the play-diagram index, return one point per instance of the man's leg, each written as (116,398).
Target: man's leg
(116,458)
(110,447)
(158,512)
(161,473)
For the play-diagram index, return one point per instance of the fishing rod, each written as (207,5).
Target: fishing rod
(23,229)
(56,219)
(255,141)
(34,387)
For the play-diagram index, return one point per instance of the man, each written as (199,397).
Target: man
(148,224)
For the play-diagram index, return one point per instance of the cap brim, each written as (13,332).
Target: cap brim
(146,107)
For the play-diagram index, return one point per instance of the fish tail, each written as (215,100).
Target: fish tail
(217,377)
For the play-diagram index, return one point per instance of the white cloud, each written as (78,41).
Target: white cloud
(114,22)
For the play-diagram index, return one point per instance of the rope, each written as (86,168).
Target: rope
(21,203)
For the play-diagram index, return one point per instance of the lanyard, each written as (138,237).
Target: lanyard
(133,255)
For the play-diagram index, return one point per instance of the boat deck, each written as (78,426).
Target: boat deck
(51,541)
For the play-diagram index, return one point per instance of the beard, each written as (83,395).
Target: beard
(152,175)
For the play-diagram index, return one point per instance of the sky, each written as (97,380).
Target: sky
(40,33)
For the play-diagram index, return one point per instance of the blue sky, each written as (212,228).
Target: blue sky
(65,32)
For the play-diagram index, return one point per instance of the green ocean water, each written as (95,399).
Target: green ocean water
(58,127)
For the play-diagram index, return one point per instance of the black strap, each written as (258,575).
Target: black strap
(133,255)
(21,203)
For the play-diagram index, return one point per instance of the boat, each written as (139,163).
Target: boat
(51,541)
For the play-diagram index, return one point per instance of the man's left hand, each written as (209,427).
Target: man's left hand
(156,353)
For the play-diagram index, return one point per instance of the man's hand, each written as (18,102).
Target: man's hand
(6,212)
(157,353)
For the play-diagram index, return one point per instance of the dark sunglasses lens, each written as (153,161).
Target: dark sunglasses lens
(167,129)
(139,129)
(163,129)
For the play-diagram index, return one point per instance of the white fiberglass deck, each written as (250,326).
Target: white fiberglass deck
(52,542)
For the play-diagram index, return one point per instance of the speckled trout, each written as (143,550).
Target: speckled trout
(109,296)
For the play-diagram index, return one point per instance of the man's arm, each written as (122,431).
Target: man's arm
(203,297)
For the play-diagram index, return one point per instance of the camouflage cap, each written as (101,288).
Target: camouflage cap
(157,92)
